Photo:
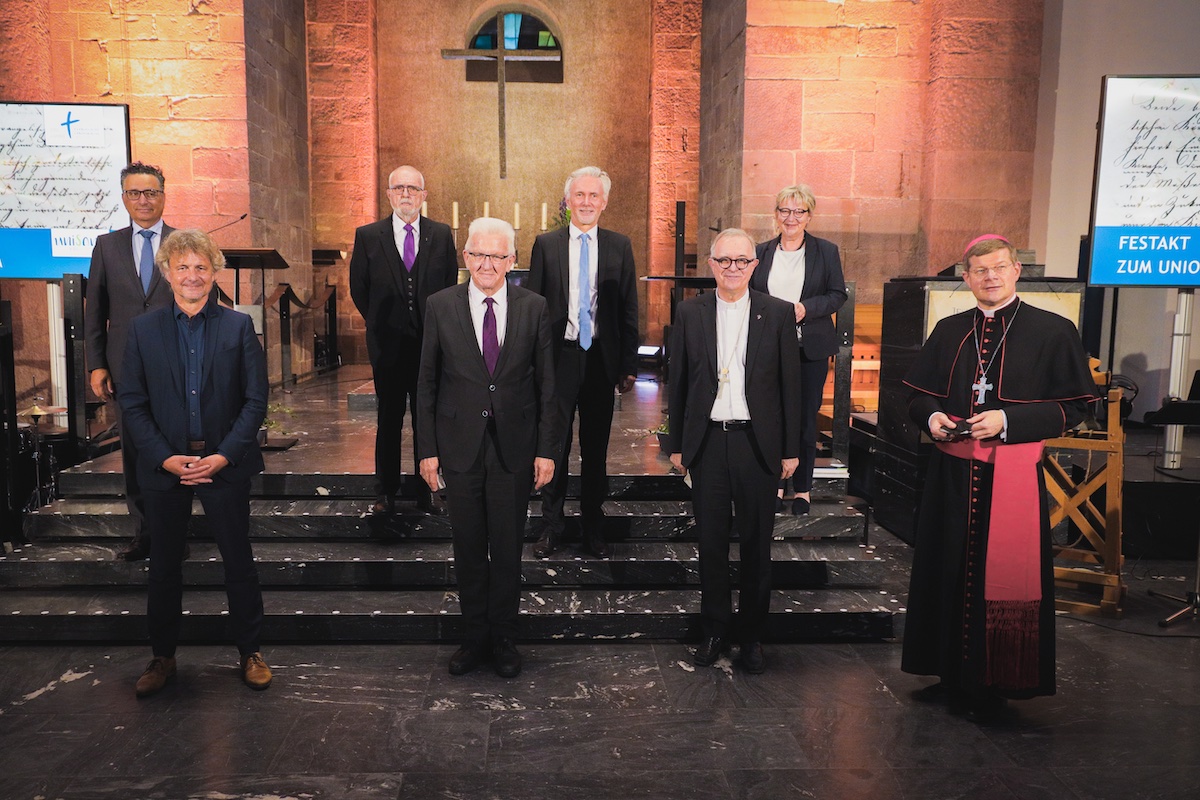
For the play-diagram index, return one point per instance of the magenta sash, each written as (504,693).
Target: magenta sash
(1012,572)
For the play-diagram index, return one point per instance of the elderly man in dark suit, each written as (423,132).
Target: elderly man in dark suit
(194,394)
(589,280)
(123,283)
(488,421)
(398,262)
(734,425)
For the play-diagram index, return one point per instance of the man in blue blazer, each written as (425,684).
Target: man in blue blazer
(194,394)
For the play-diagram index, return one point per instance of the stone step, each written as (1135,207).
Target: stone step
(322,616)
(797,565)
(104,479)
(335,518)
(90,480)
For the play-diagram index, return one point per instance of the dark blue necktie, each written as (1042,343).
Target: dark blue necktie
(147,268)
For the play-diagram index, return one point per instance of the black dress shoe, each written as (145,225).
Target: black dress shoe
(427,505)
(506,658)
(800,507)
(593,541)
(753,659)
(933,693)
(708,652)
(547,545)
(467,658)
(384,504)
(138,549)
(779,504)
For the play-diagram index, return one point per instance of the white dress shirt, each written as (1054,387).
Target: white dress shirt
(400,234)
(733,328)
(572,333)
(475,298)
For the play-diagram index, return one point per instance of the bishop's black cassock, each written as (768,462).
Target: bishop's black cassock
(966,623)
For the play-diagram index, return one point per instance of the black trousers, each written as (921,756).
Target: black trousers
(728,476)
(813,373)
(133,491)
(580,383)
(488,506)
(227,510)
(395,387)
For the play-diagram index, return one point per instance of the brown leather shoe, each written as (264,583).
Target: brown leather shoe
(255,672)
(160,670)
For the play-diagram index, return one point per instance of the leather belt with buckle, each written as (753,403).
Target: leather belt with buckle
(730,424)
(195,447)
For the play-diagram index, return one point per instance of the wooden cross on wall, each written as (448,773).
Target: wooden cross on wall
(500,56)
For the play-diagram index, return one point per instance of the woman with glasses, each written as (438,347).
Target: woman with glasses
(807,272)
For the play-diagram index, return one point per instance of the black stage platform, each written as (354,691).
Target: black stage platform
(331,572)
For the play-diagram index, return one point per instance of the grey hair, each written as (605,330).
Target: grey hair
(588,172)
(726,234)
(490,226)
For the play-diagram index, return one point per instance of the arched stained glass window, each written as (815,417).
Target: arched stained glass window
(533,53)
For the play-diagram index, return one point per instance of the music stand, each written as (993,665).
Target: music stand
(1179,412)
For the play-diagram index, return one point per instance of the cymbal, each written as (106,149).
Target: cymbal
(41,411)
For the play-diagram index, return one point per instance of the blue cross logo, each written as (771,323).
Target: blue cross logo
(68,124)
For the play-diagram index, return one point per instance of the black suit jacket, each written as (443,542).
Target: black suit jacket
(823,294)
(616,288)
(233,399)
(375,268)
(114,297)
(772,377)
(456,395)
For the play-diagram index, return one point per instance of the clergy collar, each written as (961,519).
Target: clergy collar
(991,312)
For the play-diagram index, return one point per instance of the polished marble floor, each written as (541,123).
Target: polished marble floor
(596,720)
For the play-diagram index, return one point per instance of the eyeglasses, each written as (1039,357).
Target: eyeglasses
(732,263)
(406,189)
(149,194)
(1000,270)
(488,257)
(788,213)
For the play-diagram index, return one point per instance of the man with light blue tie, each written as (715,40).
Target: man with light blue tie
(589,280)
(122,284)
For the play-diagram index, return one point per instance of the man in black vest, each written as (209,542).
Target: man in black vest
(398,262)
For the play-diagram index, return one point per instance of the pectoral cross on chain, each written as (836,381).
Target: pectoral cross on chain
(981,387)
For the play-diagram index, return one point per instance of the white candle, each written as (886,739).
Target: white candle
(425,209)
(516,216)
(454,215)
(543,216)
(487,208)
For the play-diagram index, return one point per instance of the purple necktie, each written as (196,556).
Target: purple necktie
(410,248)
(491,343)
